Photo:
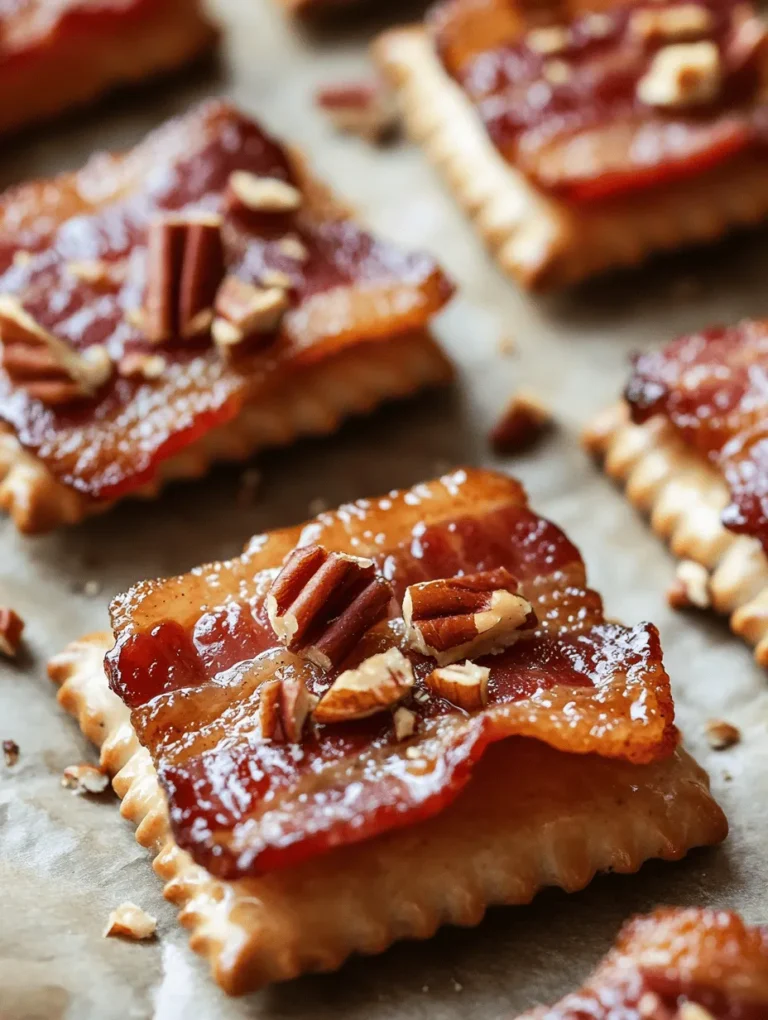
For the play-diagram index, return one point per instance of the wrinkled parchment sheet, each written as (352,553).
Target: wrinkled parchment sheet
(66,861)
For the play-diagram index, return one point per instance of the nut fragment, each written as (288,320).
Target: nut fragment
(376,684)
(293,248)
(10,752)
(465,686)
(96,273)
(692,1011)
(556,72)
(85,779)
(185,265)
(244,310)
(263,194)
(364,108)
(680,22)
(321,604)
(721,735)
(548,40)
(11,629)
(478,614)
(682,75)
(598,24)
(283,709)
(142,366)
(130,922)
(44,366)
(524,420)
(405,722)
(690,588)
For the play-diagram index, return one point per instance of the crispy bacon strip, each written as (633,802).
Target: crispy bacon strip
(192,652)
(666,963)
(713,387)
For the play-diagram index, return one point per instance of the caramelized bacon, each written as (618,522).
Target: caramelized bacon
(713,387)
(350,289)
(192,652)
(669,962)
(572,119)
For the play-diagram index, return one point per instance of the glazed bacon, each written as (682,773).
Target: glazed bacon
(569,116)
(350,289)
(665,963)
(191,653)
(713,388)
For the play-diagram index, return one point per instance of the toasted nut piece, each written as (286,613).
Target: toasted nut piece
(293,248)
(405,723)
(556,72)
(10,752)
(682,75)
(97,273)
(722,735)
(243,310)
(478,614)
(22,257)
(276,278)
(11,629)
(283,709)
(263,194)
(364,108)
(692,1011)
(376,684)
(524,420)
(44,366)
(85,779)
(131,922)
(321,604)
(465,686)
(548,40)
(691,587)
(680,22)
(598,24)
(142,366)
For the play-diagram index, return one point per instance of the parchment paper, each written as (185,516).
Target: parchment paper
(66,861)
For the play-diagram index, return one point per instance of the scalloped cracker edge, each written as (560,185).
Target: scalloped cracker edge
(538,240)
(565,818)
(685,497)
(311,402)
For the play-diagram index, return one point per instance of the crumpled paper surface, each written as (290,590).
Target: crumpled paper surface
(66,861)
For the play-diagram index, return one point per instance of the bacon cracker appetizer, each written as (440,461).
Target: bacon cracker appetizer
(689,442)
(191,301)
(55,54)
(582,136)
(675,964)
(352,698)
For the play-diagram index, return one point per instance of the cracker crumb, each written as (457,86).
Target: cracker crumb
(130,922)
(84,779)
(10,752)
(721,734)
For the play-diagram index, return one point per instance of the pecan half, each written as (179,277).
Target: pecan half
(244,310)
(283,709)
(44,366)
(465,686)
(11,629)
(376,684)
(185,265)
(262,194)
(460,617)
(321,604)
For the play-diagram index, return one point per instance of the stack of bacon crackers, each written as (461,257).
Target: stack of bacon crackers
(413,707)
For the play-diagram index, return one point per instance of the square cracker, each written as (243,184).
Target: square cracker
(565,818)
(685,497)
(539,240)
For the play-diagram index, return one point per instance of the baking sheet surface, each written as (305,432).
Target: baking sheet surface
(66,861)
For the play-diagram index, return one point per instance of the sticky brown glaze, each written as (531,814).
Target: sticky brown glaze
(351,289)
(670,958)
(192,652)
(713,387)
(588,137)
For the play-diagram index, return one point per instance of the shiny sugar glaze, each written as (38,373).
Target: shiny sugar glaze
(571,120)
(713,387)
(350,289)
(192,652)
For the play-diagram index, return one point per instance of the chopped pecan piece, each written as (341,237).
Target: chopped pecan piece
(321,604)
(682,75)
(185,265)
(10,752)
(85,779)
(293,248)
(376,684)
(130,922)
(722,735)
(548,39)
(364,108)
(244,310)
(405,722)
(680,22)
(479,614)
(142,366)
(283,709)
(97,273)
(524,420)
(690,588)
(693,1011)
(262,194)
(11,629)
(465,686)
(45,366)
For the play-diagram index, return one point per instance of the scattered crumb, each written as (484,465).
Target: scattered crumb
(457,985)
(525,419)
(721,735)
(84,779)
(317,506)
(11,629)
(690,589)
(92,589)
(692,1011)
(10,752)
(363,108)
(507,345)
(425,988)
(727,777)
(130,922)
